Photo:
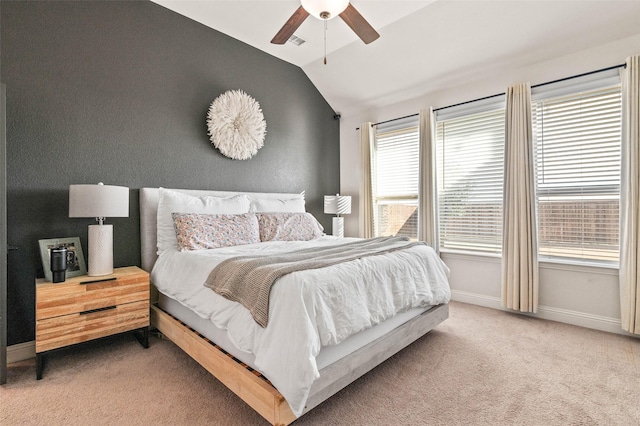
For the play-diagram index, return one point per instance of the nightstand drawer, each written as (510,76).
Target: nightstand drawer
(85,308)
(66,330)
(86,293)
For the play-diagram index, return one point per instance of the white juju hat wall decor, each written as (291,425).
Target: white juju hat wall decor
(236,125)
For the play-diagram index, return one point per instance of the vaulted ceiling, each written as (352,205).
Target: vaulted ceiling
(423,46)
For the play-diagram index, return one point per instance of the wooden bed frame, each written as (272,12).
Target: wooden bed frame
(250,385)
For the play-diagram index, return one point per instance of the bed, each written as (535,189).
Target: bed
(324,345)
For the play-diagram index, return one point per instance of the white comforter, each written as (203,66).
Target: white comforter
(308,309)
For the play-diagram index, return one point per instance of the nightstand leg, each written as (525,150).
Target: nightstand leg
(39,365)
(143,337)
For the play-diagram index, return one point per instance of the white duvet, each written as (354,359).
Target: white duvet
(308,309)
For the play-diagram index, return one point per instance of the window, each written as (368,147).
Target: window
(577,152)
(395,178)
(577,137)
(470,156)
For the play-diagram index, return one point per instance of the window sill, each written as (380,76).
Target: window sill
(564,265)
(469,255)
(577,266)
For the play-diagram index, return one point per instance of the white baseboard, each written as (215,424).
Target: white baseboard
(21,351)
(476,299)
(582,319)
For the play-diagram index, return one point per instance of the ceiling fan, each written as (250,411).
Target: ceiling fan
(325,10)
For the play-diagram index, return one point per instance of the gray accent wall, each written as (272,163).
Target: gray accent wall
(118,92)
(3,241)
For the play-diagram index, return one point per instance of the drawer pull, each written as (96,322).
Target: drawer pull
(99,280)
(92,311)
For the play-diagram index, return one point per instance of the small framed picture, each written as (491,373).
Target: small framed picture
(75,258)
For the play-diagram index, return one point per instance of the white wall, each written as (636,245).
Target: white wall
(574,294)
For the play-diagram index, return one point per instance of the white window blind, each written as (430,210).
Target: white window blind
(470,156)
(395,178)
(577,151)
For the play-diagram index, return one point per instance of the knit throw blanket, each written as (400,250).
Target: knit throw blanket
(248,279)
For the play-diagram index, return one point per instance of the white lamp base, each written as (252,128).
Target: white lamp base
(338,227)
(100,250)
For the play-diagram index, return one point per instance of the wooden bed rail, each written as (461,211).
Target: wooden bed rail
(254,389)
(248,384)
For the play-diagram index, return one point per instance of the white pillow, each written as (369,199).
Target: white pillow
(277,205)
(176,202)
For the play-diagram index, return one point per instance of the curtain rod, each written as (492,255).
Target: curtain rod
(393,119)
(502,94)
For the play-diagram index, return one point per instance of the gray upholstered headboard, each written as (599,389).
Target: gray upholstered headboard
(149,198)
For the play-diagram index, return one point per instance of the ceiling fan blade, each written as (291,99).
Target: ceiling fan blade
(359,25)
(290,26)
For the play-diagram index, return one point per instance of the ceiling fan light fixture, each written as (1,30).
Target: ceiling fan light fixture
(325,9)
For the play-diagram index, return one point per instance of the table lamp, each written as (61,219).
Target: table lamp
(99,201)
(337,204)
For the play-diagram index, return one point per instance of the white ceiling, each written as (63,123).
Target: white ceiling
(424,45)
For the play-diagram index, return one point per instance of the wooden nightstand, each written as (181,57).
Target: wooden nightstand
(85,308)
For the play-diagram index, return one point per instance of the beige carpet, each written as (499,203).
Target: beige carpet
(480,367)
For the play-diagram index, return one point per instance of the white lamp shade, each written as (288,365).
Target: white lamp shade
(317,7)
(98,201)
(337,204)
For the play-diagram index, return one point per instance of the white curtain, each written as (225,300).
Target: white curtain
(427,189)
(629,202)
(366,190)
(519,239)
